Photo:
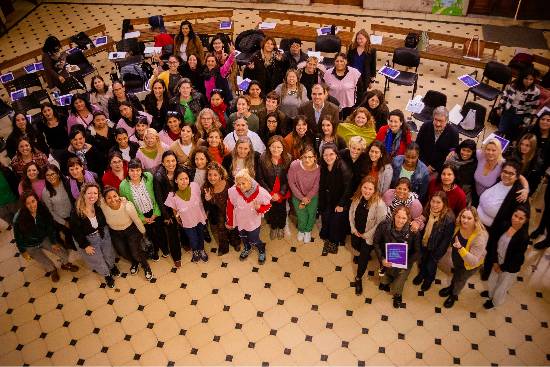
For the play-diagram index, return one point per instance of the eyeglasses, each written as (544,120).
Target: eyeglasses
(52,174)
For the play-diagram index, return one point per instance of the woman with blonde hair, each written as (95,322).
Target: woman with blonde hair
(91,233)
(247,203)
(489,165)
(243,156)
(366,212)
(362,56)
(359,123)
(207,119)
(467,254)
(293,93)
(150,154)
(356,158)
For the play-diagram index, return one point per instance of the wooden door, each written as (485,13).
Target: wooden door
(501,8)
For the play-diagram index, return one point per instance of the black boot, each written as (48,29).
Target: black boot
(384,287)
(358,286)
(418,279)
(397,300)
(484,294)
(115,272)
(544,244)
(426,284)
(450,301)
(488,304)
(110,281)
(444,292)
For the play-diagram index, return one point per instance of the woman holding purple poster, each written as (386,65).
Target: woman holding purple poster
(396,229)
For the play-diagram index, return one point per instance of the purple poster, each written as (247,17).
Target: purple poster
(396,254)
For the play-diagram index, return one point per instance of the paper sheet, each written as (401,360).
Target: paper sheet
(375,39)
(134,34)
(267,25)
(454,115)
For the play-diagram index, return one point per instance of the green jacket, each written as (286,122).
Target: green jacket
(43,228)
(126,191)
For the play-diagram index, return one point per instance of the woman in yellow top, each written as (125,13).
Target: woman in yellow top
(360,123)
(467,253)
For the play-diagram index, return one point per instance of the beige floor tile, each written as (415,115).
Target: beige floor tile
(283,288)
(311,322)
(210,305)
(256,329)
(156,311)
(291,335)
(125,305)
(437,355)
(96,299)
(143,341)
(99,359)
(176,348)
(67,292)
(28,332)
(88,346)
(23,314)
(111,334)
(363,347)
(153,357)
(168,283)
(134,322)
(120,353)
(456,344)
(13,358)
(166,329)
(277,317)
(65,356)
(231,294)
(492,348)
(401,353)
(474,358)
(18,297)
(342,357)
(247,357)
(269,348)
(199,335)
(146,294)
(188,316)
(264,299)
(9,341)
(326,341)
(530,353)
(34,351)
(383,333)
(45,303)
(233,342)
(51,321)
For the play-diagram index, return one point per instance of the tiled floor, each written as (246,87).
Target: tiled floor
(297,308)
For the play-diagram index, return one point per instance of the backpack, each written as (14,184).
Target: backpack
(412,39)
(521,61)
(249,41)
(82,41)
(133,76)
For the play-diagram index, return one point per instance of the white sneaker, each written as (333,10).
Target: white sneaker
(307,237)
(300,236)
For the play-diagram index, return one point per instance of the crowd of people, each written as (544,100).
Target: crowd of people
(112,176)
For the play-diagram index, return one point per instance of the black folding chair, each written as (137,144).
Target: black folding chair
(26,104)
(481,111)
(329,43)
(431,100)
(72,85)
(130,45)
(85,67)
(408,57)
(496,72)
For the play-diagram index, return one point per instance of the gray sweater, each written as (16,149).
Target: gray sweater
(59,205)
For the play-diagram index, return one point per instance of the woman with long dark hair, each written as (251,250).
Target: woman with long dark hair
(272,176)
(446,181)
(518,103)
(54,128)
(376,104)
(293,94)
(335,191)
(509,256)
(327,134)
(81,112)
(78,176)
(22,128)
(396,228)
(27,153)
(119,96)
(129,117)
(215,202)
(302,134)
(378,166)
(101,133)
(34,234)
(156,104)
(266,65)
(163,185)
(187,43)
(396,135)
(100,93)
(32,180)
(186,203)
(59,201)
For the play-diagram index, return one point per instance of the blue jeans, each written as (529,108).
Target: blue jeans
(252,238)
(196,236)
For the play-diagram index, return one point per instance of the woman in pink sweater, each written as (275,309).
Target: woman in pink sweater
(303,179)
(247,202)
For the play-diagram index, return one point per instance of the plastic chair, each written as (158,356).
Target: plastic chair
(431,100)
(481,111)
(496,72)
(79,59)
(329,43)
(408,57)
(26,104)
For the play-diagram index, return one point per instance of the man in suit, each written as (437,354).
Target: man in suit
(319,106)
(436,139)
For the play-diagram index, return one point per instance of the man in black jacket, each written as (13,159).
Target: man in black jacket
(436,139)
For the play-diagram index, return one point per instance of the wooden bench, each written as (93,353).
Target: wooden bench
(449,54)
(36,55)
(208,28)
(303,32)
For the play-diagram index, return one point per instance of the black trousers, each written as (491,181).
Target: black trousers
(67,239)
(128,244)
(172,235)
(365,250)
(276,216)
(155,233)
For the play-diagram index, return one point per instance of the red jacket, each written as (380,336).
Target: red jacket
(110,179)
(381,136)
